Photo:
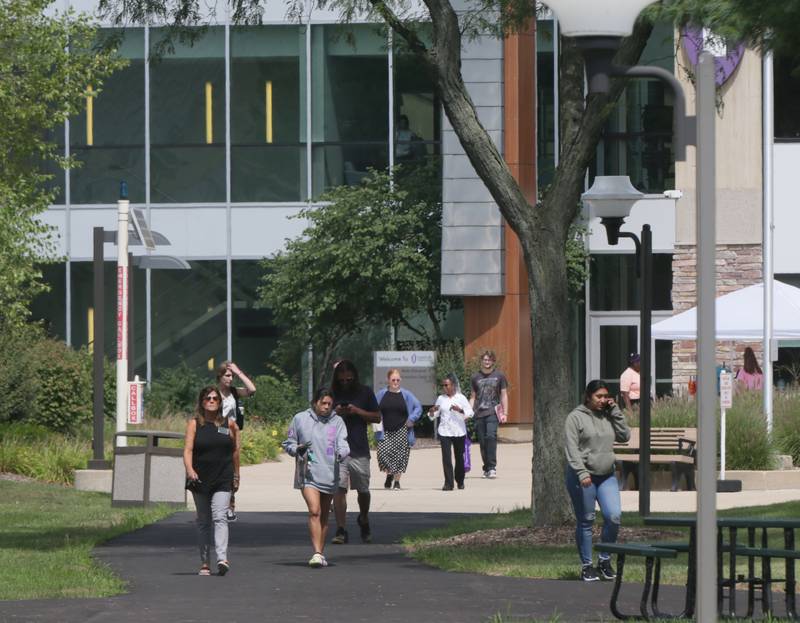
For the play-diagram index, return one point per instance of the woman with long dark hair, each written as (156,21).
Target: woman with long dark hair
(590,431)
(317,438)
(211,459)
(750,376)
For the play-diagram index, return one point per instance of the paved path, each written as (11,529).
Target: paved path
(270,581)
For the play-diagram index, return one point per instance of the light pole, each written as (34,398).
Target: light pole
(599,26)
(611,198)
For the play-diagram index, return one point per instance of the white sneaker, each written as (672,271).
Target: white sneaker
(492,473)
(317,561)
(485,474)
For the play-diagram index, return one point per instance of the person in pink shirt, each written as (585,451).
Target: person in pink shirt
(750,376)
(629,386)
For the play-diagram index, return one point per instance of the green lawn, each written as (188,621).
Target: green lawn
(554,561)
(47,533)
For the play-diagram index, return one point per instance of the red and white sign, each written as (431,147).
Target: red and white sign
(135,403)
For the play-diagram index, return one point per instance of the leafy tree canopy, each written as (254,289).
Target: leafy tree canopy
(769,24)
(370,254)
(46,65)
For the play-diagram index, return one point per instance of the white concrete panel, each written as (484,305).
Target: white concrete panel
(786,207)
(472,285)
(57,218)
(193,232)
(656,210)
(482,70)
(486,93)
(465,190)
(451,145)
(476,214)
(83,220)
(261,231)
(480,262)
(469,238)
(483,48)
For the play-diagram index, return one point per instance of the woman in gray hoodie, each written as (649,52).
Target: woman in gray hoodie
(317,438)
(590,432)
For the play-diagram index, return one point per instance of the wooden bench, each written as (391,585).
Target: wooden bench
(668,446)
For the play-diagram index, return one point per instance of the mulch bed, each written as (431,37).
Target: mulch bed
(15,477)
(561,535)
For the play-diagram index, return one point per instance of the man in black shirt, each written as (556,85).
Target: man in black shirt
(356,405)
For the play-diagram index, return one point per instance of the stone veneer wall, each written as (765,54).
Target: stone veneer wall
(738,266)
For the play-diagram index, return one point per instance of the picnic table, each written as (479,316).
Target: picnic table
(757,582)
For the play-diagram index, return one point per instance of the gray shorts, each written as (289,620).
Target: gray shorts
(354,474)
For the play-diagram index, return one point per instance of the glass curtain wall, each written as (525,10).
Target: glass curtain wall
(268,104)
(269,72)
(107,138)
(187,119)
(350,111)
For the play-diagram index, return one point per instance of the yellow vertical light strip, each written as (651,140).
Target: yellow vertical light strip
(209,114)
(89,116)
(269,110)
(210,364)
(90,328)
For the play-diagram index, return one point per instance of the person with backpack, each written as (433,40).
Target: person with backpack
(232,404)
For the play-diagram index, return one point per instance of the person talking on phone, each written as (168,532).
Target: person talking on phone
(591,429)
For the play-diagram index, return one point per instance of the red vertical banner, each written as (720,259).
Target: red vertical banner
(122,315)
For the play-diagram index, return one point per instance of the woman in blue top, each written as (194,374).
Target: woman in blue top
(400,409)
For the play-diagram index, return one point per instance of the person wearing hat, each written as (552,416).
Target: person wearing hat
(629,382)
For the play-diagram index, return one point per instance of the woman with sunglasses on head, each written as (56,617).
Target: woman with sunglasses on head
(453,409)
(211,459)
(317,438)
(591,429)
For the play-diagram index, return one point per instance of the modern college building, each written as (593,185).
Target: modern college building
(224,141)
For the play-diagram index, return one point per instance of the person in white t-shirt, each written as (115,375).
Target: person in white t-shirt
(453,409)
(231,405)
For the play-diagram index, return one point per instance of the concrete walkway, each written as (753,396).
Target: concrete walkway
(270,580)
(267,487)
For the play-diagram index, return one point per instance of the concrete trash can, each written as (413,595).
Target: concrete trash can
(148,474)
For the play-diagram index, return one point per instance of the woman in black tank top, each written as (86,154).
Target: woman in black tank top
(211,459)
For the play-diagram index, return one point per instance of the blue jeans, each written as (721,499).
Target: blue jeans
(605,491)
(486,427)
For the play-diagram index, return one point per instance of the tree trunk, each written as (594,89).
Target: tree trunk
(542,229)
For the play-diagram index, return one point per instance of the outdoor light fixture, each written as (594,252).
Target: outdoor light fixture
(611,198)
(598,27)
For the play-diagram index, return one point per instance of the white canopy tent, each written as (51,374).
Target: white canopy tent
(740,316)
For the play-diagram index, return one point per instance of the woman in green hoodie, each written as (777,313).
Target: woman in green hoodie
(591,429)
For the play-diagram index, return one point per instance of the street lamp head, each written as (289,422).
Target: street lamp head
(597,18)
(611,198)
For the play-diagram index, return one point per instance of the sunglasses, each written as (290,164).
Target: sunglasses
(211,399)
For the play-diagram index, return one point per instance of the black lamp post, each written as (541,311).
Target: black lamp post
(611,198)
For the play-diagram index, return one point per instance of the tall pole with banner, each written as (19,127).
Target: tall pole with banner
(123,208)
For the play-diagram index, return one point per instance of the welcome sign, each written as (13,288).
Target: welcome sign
(417,367)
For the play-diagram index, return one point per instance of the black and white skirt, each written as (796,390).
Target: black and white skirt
(393,451)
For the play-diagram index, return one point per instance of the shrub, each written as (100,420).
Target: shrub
(786,420)
(174,391)
(261,443)
(748,445)
(15,370)
(276,399)
(34,451)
